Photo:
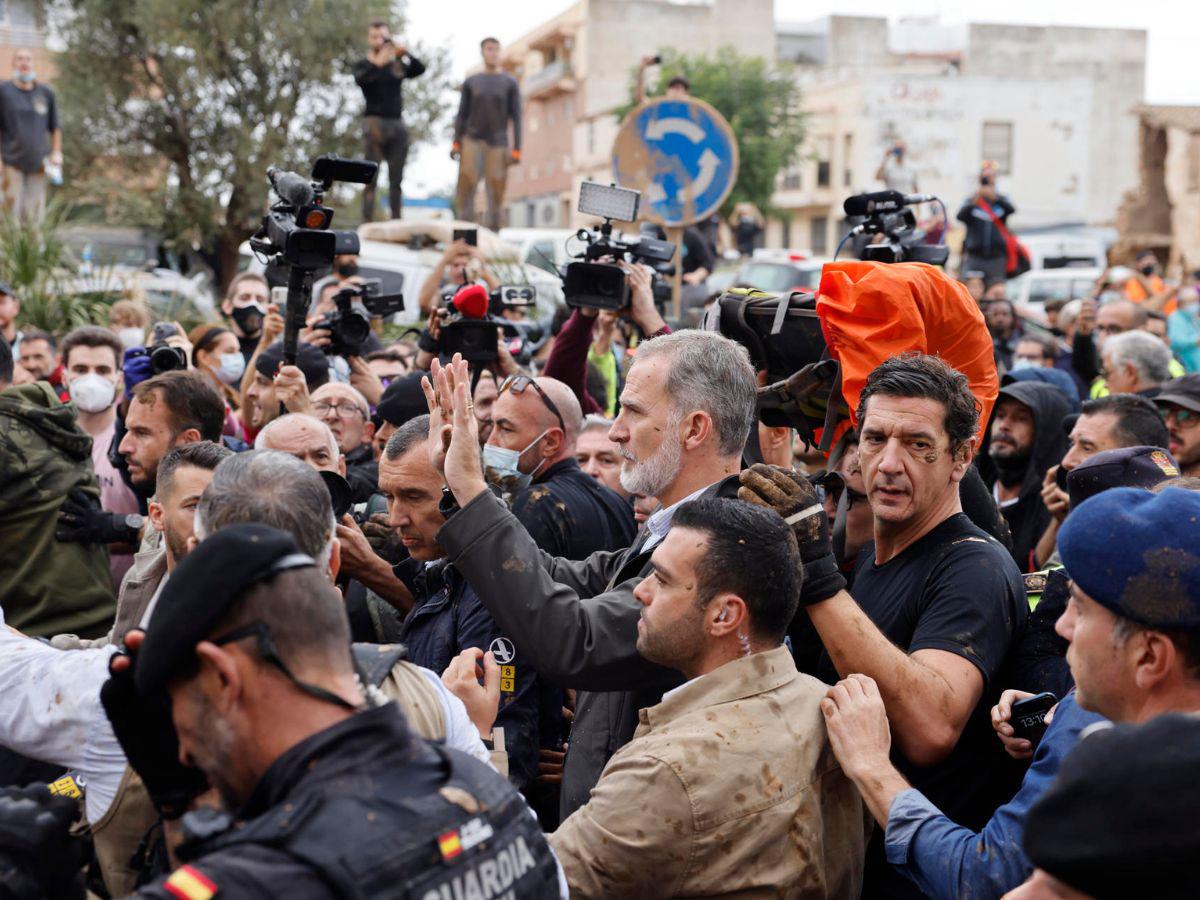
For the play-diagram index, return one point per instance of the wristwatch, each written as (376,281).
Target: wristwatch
(133,521)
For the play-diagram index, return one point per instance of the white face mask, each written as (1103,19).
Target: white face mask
(131,337)
(92,393)
(231,368)
(501,465)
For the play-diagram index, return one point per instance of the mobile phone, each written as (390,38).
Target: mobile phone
(162,331)
(1029,716)
(656,60)
(1060,477)
(468,235)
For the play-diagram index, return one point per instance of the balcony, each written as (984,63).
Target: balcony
(556,78)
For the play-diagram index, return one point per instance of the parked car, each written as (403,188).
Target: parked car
(779,272)
(1064,250)
(545,248)
(1037,286)
(170,295)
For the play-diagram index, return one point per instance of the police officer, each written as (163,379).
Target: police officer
(244,680)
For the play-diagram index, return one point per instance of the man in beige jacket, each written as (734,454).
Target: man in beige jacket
(729,787)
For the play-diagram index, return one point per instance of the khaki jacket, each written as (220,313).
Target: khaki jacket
(729,788)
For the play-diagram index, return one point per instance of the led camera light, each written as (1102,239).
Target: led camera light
(608,201)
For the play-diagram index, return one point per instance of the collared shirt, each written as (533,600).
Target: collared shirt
(949,861)
(660,522)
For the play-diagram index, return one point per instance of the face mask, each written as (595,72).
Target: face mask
(92,393)
(26,77)
(249,319)
(1019,364)
(1147,270)
(348,270)
(131,337)
(232,367)
(500,465)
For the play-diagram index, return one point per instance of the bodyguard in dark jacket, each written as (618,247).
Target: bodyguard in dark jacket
(686,410)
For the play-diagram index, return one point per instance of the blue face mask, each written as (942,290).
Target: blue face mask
(500,465)
(1019,364)
(232,367)
(26,77)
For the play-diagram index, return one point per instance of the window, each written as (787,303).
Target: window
(997,145)
(816,232)
(792,181)
(786,232)
(847,160)
(822,173)
(824,150)
(541,254)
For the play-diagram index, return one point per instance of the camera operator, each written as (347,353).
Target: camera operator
(686,410)
(345,412)
(937,602)
(246,308)
(381,76)
(984,248)
(318,331)
(461,263)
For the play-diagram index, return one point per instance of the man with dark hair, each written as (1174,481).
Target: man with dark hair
(1179,403)
(1026,440)
(1034,351)
(381,75)
(39,357)
(706,797)
(251,647)
(1005,328)
(166,411)
(246,305)
(447,616)
(937,602)
(275,384)
(46,587)
(490,100)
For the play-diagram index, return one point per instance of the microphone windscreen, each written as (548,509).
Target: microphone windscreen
(472,301)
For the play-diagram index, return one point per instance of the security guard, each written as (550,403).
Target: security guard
(244,679)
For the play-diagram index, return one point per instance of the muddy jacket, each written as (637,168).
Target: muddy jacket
(572,515)
(729,788)
(47,587)
(575,622)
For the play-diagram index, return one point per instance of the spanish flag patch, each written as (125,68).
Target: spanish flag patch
(187,883)
(449,844)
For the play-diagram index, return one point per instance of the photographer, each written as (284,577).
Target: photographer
(569,357)
(319,329)
(381,76)
(246,308)
(985,214)
(461,263)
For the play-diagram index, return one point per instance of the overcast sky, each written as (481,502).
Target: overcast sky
(1171,76)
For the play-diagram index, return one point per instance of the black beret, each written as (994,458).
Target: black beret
(1121,818)
(204,586)
(309,360)
(403,399)
(1140,467)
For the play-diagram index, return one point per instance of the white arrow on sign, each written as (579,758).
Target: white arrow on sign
(660,128)
(709,163)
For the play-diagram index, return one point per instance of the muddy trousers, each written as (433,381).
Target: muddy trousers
(385,140)
(481,160)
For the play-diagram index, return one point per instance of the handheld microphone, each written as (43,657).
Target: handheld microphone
(471,301)
(882,202)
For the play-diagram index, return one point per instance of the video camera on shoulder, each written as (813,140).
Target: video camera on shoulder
(295,236)
(349,325)
(888,213)
(604,285)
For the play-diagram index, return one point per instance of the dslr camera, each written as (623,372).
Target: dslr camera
(295,239)
(163,357)
(603,285)
(349,325)
(889,213)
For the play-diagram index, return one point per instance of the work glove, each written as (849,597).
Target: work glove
(39,857)
(81,520)
(792,496)
(146,733)
(136,367)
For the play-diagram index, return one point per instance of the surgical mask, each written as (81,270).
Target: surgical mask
(131,337)
(26,77)
(500,465)
(1019,364)
(249,319)
(231,368)
(1147,270)
(92,393)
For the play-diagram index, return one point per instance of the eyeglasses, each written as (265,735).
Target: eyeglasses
(345,410)
(518,383)
(1185,417)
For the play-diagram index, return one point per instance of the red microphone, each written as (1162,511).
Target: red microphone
(471,301)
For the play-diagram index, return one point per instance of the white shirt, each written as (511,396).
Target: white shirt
(660,522)
(51,711)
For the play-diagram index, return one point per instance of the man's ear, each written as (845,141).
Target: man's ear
(187,436)
(335,561)
(341,463)
(697,428)
(727,614)
(368,432)
(220,673)
(155,511)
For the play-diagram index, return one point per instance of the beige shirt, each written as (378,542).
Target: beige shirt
(729,788)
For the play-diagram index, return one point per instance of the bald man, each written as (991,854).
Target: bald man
(530,454)
(345,411)
(308,439)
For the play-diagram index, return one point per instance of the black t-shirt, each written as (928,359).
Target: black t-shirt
(696,252)
(381,84)
(958,590)
(26,120)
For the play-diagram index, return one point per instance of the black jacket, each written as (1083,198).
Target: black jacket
(983,237)
(1028,517)
(572,515)
(362,473)
(381,84)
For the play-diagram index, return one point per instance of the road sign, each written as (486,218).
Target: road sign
(682,156)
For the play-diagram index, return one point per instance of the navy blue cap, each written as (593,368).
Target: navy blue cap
(403,399)
(309,360)
(1138,554)
(202,589)
(1134,467)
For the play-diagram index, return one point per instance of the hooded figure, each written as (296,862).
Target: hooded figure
(1010,462)
(47,587)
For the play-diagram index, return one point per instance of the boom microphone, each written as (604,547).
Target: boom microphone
(291,188)
(882,202)
(471,301)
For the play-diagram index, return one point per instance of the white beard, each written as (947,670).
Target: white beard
(653,476)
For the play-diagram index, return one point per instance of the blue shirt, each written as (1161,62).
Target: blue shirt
(947,860)
(1183,329)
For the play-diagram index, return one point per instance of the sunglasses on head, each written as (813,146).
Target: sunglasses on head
(518,383)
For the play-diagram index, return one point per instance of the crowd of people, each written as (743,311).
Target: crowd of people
(384,621)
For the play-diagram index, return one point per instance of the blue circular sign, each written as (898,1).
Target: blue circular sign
(682,156)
